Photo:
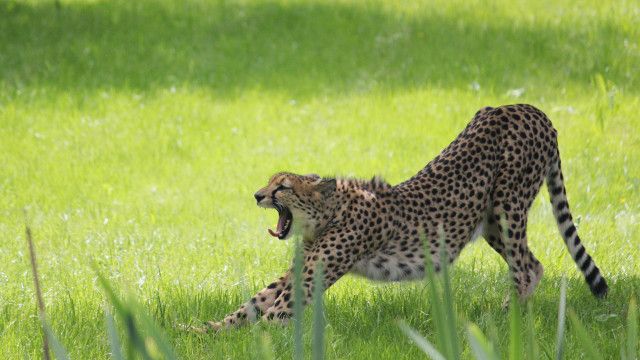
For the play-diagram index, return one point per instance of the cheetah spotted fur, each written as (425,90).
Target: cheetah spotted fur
(483,183)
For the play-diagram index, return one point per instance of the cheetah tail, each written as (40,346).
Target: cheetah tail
(558,195)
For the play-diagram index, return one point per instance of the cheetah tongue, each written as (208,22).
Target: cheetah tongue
(273,233)
(284,224)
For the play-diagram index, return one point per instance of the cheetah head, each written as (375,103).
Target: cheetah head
(301,201)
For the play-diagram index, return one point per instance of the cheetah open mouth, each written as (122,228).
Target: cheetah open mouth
(285,219)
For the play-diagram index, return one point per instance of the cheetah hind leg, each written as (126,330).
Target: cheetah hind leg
(511,244)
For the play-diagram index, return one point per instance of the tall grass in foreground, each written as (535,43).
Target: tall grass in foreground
(298,306)
(49,337)
(144,338)
(36,285)
(522,344)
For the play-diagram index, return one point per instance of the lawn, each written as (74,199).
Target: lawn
(134,133)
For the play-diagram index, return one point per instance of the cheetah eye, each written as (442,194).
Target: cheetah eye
(282,188)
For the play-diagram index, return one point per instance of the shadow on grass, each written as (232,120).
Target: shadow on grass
(300,49)
(369,317)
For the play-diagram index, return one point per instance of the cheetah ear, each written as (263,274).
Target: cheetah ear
(326,187)
(314,177)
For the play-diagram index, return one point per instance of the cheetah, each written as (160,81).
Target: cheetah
(483,183)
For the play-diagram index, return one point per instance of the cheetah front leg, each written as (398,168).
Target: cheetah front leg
(334,263)
(252,309)
(275,302)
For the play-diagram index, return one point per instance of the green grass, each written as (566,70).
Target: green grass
(135,134)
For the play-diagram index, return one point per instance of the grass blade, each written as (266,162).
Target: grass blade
(632,330)
(424,344)
(49,337)
(482,349)
(318,313)
(437,311)
(562,307)
(493,337)
(441,299)
(298,299)
(155,334)
(451,337)
(58,350)
(532,347)
(106,286)
(36,284)
(583,337)
(114,339)
(516,349)
(136,340)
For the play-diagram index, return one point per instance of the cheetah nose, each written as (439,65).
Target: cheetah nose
(258,197)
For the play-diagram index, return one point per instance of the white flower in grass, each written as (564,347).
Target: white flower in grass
(516,93)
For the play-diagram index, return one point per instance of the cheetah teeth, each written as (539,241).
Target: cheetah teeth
(280,231)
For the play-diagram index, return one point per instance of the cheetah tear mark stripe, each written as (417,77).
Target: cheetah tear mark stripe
(558,195)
